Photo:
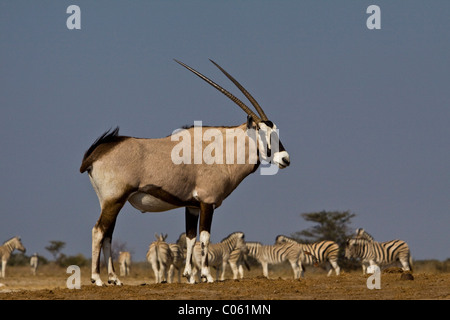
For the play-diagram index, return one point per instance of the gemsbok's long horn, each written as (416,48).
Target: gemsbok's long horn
(244,91)
(225,92)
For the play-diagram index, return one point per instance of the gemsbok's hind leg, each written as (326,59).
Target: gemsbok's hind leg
(206,214)
(101,238)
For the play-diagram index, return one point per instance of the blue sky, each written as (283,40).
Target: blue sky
(363,113)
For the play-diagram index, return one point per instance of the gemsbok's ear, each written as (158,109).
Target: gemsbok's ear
(251,124)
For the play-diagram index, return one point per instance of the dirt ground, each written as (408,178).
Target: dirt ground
(50,284)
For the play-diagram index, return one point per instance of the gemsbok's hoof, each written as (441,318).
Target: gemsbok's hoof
(98,283)
(115,282)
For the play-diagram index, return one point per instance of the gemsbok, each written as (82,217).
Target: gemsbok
(145,173)
(7,248)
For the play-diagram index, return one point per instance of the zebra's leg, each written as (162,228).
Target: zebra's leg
(206,214)
(295,268)
(121,269)
(163,271)
(162,278)
(301,269)
(336,268)
(241,271)
(364,267)
(155,268)
(234,269)
(191,215)
(265,267)
(3,268)
(224,268)
(171,271)
(405,263)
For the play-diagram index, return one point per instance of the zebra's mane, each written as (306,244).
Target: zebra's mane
(362,234)
(361,241)
(10,239)
(229,236)
(253,243)
(290,239)
(182,240)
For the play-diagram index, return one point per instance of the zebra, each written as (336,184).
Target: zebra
(34,261)
(237,260)
(160,257)
(7,248)
(218,254)
(124,263)
(379,253)
(316,253)
(178,250)
(274,254)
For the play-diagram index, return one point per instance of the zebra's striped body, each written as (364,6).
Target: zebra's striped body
(124,263)
(160,257)
(178,250)
(34,261)
(379,253)
(274,254)
(7,248)
(317,252)
(219,254)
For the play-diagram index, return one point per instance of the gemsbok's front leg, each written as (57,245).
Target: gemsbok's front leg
(191,215)
(206,214)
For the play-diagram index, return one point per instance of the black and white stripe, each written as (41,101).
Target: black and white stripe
(219,253)
(316,253)
(379,253)
(34,262)
(237,261)
(160,257)
(274,254)
(178,250)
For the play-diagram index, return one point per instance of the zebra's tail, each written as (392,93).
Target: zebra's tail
(158,258)
(246,264)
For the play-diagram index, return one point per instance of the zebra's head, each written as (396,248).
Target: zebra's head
(280,239)
(353,247)
(18,244)
(240,242)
